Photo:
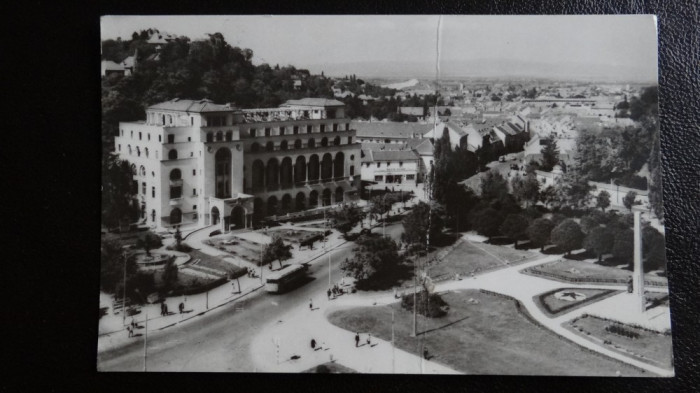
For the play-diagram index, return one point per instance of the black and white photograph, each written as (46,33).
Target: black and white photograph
(382,194)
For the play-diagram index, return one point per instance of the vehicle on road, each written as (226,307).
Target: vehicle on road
(285,279)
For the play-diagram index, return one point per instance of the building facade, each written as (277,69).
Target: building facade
(197,163)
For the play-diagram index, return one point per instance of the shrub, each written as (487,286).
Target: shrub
(431,306)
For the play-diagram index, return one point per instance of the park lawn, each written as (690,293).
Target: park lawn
(650,347)
(470,257)
(592,271)
(333,368)
(553,307)
(244,249)
(290,235)
(184,280)
(214,262)
(490,337)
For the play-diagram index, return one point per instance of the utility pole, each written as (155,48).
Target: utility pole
(261,265)
(145,343)
(393,345)
(124,294)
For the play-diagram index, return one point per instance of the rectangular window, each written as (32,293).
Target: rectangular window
(309,129)
(347,126)
(189,139)
(175,192)
(295,130)
(194,172)
(139,135)
(194,207)
(379,165)
(335,127)
(149,136)
(153,192)
(171,138)
(400,163)
(120,148)
(281,130)
(160,139)
(267,132)
(410,177)
(194,192)
(378,178)
(323,128)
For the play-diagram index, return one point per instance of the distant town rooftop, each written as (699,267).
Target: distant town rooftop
(390,129)
(313,102)
(195,106)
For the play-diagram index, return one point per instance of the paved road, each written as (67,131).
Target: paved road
(220,340)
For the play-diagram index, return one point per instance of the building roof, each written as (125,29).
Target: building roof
(391,155)
(411,110)
(197,106)
(313,102)
(425,148)
(109,65)
(389,129)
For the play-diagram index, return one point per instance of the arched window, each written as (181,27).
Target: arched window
(175,174)
(258,176)
(352,157)
(312,143)
(297,144)
(283,145)
(336,141)
(172,155)
(352,170)
(129,146)
(270,146)
(339,194)
(138,151)
(142,170)
(175,216)
(324,142)
(222,173)
(143,188)
(210,137)
(146,150)
(272,206)
(282,130)
(175,183)
(219,136)
(229,136)
(339,165)
(133,169)
(255,147)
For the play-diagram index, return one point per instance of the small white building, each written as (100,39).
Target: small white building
(391,166)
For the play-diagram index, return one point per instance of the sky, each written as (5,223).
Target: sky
(618,47)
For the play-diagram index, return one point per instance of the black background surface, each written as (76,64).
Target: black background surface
(51,57)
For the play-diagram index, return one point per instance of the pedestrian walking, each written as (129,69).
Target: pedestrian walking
(369,339)
(181,307)
(329,293)
(133,324)
(165,308)
(130,330)
(162,309)
(357,339)
(313,344)
(311,304)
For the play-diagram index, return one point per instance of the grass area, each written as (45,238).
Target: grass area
(553,307)
(184,280)
(650,347)
(214,262)
(330,368)
(586,271)
(290,235)
(468,257)
(241,248)
(482,334)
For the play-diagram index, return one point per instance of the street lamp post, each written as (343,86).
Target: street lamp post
(124,294)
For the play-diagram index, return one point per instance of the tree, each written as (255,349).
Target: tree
(380,206)
(494,186)
(170,273)
(276,250)
(603,200)
(178,238)
(600,240)
(117,191)
(550,155)
(346,217)
(548,195)
(538,232)
(527,189)
(623,247)
(416,223)
(487,222)
(374,262)
(112,266)
(567,236)
(629,200)
(515,227)
(148,242)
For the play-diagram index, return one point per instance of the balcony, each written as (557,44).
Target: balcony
(176,201)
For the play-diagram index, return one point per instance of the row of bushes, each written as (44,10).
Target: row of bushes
(621,331)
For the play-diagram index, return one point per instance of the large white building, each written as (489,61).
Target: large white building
(197,163)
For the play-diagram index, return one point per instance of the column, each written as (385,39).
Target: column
(638,277)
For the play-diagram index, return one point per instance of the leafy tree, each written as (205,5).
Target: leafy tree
(548,195)
(276,250)
(380,206)
(550,155)
(117,191)
(653,249)
(623,247)
(170,274)
(629,200)
(430,305)
(487,222)
(539,231)
(374,262)
(592,220)
(112,266)
(515,227)
(526,189)
(567,235)
(347,217)
(599,240)
(603,200)
(416,223)
(493,186)
(149,242)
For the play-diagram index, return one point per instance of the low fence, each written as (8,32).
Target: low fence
(199,289)
(575,280)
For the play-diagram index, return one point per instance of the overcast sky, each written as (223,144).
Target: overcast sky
(601,46)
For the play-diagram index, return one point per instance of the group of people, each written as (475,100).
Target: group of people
(357,339)
(251,272)
(335,291)
(163,309)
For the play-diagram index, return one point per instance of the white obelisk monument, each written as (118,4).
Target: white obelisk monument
(638,275)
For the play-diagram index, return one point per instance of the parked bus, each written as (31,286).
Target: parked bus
(285,279)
